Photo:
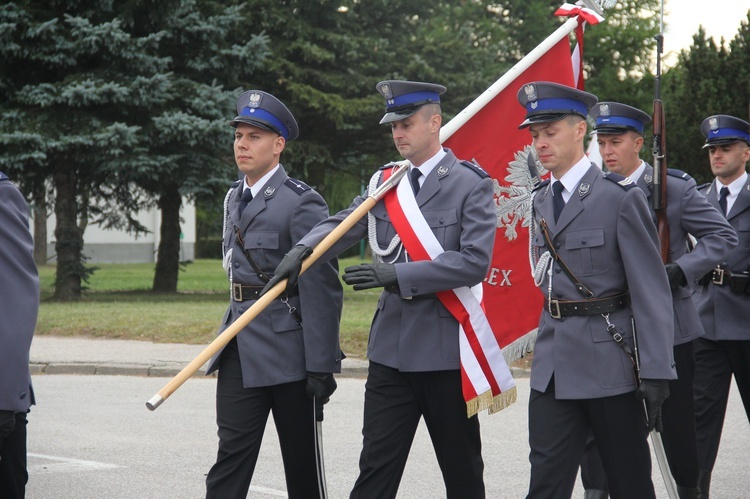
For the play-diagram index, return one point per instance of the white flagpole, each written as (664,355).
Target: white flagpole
(461,118)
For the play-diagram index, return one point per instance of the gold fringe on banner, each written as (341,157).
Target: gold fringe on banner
(492,404)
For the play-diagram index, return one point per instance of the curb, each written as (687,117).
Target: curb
(167,371)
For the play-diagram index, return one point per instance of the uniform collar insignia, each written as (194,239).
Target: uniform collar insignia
(442,171)
(648,178)
(584,189)
(269,191)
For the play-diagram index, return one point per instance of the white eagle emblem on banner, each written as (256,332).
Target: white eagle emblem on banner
(513,202)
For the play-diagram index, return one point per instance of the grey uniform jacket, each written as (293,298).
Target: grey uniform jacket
(725,315)
(413,331)
(274,348)
(606,236)
(19,299)
(689,212)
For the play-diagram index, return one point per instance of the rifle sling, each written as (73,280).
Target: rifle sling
(581,287)
(264,276)
(588,294)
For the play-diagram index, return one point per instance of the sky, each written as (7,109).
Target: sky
(718,17)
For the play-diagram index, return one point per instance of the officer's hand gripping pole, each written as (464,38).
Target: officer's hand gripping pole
(251,313)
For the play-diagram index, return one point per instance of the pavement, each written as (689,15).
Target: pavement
(85,355)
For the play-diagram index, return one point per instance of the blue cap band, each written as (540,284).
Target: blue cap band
(557,106)
(729,132)
(413,98)
(619,121)
(263,115)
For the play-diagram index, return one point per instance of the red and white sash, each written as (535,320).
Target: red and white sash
(485,377)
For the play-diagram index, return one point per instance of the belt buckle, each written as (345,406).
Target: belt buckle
(236,291)
(556,303)
(717,276)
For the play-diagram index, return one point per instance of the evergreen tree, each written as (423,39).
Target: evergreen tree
(328,57)
(187,135)
(709,78)
(69,77)
(121,105)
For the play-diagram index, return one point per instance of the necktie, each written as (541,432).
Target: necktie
(558,203)
(247,196)
(415,174)
(723,193)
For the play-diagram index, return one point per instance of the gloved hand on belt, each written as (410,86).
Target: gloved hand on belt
(675,275)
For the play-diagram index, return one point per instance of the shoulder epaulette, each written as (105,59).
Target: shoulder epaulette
(540,185)
(3,177)
(392,164)
(475,168)
(297,185)
(703,186)
(673,172)
(235,184)
(624,182)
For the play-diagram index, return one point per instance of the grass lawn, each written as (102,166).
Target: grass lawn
(119,304)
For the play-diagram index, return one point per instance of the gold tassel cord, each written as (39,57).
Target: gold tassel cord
(492,404)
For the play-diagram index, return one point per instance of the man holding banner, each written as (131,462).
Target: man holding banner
(431,351)
(598,267)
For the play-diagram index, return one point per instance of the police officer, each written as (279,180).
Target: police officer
(413,347)
(19,305)
(282,361)
(722,298)
(603,281)
(619,130)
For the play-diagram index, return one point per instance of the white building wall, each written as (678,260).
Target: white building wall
(116,246)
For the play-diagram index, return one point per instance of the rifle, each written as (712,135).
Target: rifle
(659,148)
(659,203)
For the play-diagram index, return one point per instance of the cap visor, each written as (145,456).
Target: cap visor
(397,116)
(255,123)
(613,130)
(724,141)
(541,118)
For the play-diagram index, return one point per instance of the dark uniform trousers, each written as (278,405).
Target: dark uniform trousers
(241,417)
(679,430)
(394,403)
(619,426)
(718,360)
(13,474)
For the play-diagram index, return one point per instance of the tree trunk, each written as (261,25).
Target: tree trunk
(69,239)
(168,255)
(39,198)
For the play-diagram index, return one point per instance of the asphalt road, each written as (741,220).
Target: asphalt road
(92,437)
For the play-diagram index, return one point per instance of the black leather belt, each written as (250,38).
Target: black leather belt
(240,292)
(594,306)
(736,282)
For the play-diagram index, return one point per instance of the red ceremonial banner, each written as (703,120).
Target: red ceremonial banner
(492,139)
